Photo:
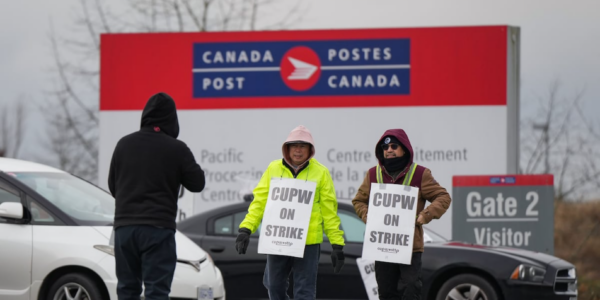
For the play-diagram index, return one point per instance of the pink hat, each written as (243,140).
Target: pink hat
(300,134)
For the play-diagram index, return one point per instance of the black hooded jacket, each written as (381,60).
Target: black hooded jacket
(148,167)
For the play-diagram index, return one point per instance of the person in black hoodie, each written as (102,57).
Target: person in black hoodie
(146,171)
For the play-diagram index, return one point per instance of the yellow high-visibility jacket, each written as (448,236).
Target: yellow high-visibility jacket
(324,210)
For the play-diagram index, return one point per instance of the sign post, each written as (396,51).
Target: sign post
(508,211)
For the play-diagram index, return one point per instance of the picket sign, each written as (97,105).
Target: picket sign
(391,223)
(287,216)
(367,272)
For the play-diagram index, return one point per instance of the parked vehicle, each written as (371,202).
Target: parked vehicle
(55,232)
(450,270)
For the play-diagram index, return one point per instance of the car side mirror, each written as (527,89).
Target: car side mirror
(11,210)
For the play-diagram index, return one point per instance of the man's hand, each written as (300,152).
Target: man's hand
(420,220)
(242,241)
(337,258)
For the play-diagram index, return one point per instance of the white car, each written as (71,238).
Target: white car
(55,233)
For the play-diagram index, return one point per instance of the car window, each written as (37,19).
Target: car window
(224,225)
(78,198)
(8,194)
(353,227)
(229,224)
(39,215)
(237,220)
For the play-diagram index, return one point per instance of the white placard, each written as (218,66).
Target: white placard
(286,217)
(391,223)
(367,272)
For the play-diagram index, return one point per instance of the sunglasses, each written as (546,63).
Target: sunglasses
(394,146)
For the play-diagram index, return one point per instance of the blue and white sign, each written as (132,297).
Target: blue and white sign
(317,68)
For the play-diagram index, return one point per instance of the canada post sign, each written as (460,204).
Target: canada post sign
(312,68)
(504,211)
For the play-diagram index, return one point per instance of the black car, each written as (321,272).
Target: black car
(450,270)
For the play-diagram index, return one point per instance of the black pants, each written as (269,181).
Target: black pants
(396,281)
(144,254)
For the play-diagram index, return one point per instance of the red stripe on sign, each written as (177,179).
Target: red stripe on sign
(503,180)
(451,66)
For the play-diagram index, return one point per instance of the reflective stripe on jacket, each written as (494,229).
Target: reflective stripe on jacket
(324,211)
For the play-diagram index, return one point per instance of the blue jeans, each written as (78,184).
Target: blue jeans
(145,254)
(278,269)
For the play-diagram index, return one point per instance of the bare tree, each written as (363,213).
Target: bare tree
(12,127)
(72,112)
(561,140)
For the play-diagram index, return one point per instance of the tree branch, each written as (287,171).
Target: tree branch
(205,15)
(178,14)
(72,117)
(253,15)
(90,27)
(192,15)
(65,81)
(102,17)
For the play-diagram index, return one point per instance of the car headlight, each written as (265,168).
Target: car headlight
(211,261)
(528,273)
(110,250)
(210,258)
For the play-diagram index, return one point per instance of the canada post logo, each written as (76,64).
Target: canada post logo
(503,180)
(312,68)
(300,68)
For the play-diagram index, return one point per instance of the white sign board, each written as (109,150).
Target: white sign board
(391,223)
(367,273)
(286,217)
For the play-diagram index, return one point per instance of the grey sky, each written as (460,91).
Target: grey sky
(560,39)
(25,52)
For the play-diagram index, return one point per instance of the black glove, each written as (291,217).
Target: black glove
(242,241)
(337,258)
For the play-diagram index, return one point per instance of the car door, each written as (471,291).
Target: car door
(242,272)
(15,250)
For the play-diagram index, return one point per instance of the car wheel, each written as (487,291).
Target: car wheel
(74,286)
(467,287)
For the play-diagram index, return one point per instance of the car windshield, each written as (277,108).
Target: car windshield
(81,200)
(431,236)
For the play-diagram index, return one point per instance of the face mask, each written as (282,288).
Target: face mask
(395,164)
